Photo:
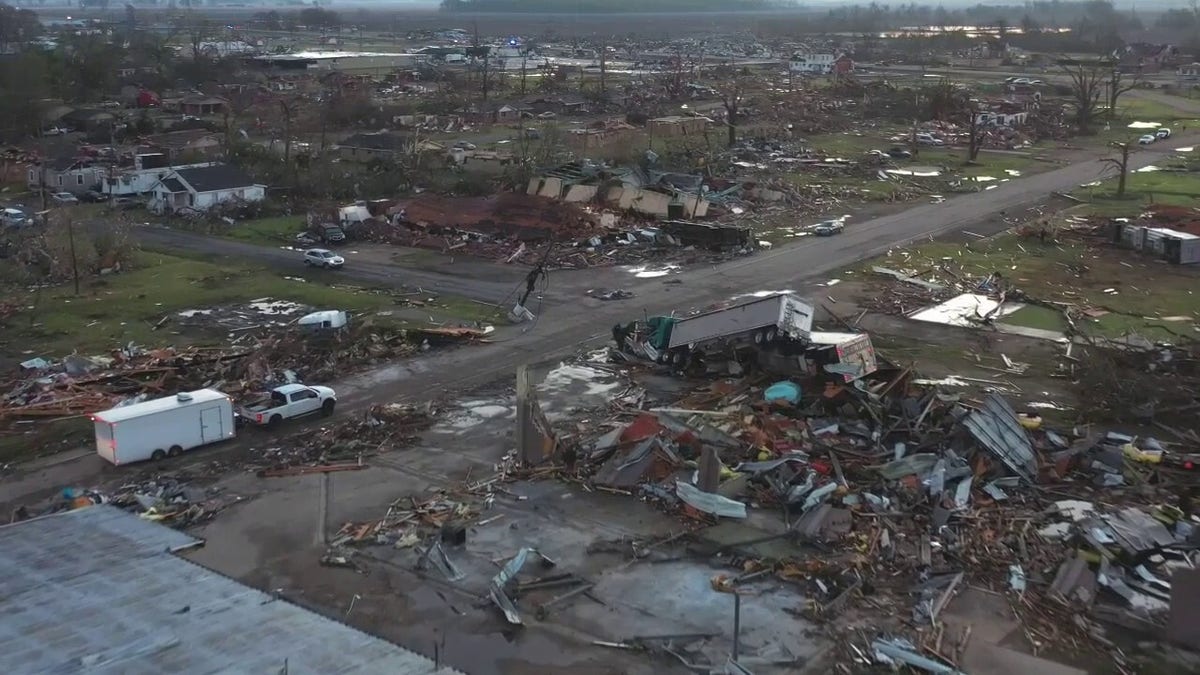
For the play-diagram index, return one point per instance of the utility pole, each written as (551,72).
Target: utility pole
(42,163)
(74,259)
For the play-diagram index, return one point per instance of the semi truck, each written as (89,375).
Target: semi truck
(781,320)
(163,427)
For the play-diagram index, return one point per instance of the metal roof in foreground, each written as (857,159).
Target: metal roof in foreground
(98,590)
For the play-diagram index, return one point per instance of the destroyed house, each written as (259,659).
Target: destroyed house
(68,173)
(203,187)
(178,144)
(383,145)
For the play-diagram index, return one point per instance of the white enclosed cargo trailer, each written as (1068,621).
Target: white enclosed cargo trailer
(162,427)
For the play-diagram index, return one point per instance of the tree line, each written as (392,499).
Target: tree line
(611,6)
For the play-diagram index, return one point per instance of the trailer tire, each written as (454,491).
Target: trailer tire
(758,337)
(174,451)
(274,421)
(771,335)
(158,455)
(327,408)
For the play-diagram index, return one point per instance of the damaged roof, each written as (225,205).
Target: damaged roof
(99,589)
(996,426)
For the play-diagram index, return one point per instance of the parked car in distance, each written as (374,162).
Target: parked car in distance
(288,401)
(1147,139)
(929,139)
(55,131)
(1163,133)
(64,198)
(94,196)
(828,228)
(899,153)
(322,257)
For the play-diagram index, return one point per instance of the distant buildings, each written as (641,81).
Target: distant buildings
(826,63)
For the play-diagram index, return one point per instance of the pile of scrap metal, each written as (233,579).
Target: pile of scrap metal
(174,500)
(78,385)
(910,491)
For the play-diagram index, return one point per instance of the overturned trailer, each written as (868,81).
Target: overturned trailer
(778,328)
(781,321)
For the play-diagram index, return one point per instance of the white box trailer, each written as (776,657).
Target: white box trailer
(163,427)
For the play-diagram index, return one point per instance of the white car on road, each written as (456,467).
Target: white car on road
(1147,139)
(323,257)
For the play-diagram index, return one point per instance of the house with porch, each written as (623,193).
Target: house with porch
(200,104)
(203,187)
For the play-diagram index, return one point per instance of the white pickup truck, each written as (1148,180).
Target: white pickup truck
(288,401)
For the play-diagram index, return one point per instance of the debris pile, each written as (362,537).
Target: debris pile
(604,244)
(906,494)
(383,426)
(174,500)
(79,385)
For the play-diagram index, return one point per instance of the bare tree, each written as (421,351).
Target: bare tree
(1117,85)
(731,98)
(1121,164)
(1087,83)
(975,142)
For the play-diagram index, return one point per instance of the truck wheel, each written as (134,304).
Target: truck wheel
(274,421)
(771,334)
(158,455)
(174,451)
(759,337)
(327,408)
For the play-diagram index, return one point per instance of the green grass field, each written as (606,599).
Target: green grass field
(115,309)
(1138,293)
(1177,188)
(274,230)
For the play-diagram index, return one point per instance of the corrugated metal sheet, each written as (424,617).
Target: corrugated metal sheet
(98,590)
(996,426)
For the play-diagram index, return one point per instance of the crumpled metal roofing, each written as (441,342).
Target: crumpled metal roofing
(996,427)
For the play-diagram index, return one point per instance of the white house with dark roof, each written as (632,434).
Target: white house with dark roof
(203,187)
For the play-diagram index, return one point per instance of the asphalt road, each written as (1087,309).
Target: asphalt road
(569,319)
(498,284)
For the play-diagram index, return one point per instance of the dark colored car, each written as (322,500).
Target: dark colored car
(94,196)
(331,234)
(899,153)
